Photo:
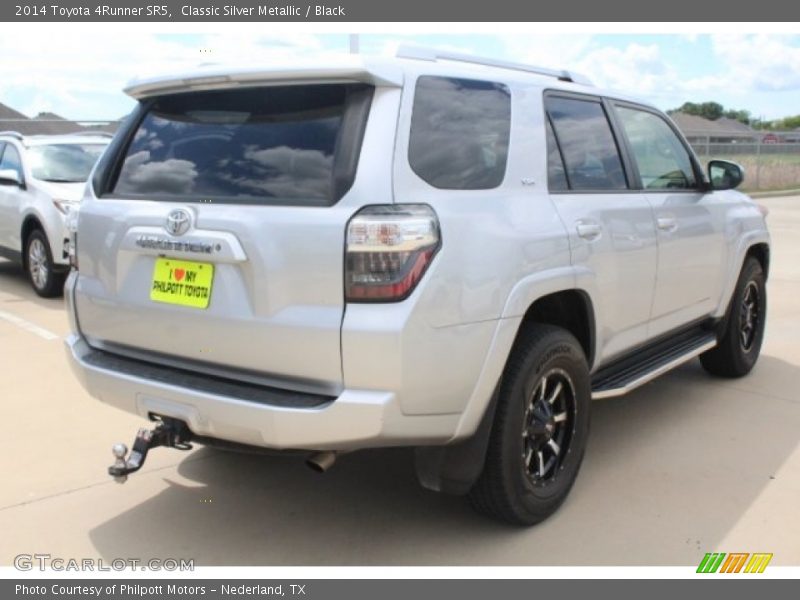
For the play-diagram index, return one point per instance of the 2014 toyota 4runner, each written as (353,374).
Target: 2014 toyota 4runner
(434,251)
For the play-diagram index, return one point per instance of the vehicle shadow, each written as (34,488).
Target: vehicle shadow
(669,471)
(14,283)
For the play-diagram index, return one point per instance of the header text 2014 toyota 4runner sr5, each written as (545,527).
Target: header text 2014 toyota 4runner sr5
(434,251)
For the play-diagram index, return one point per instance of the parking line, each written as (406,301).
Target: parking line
(28,326)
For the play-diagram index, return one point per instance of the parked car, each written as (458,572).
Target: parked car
(434,251)
(41,181)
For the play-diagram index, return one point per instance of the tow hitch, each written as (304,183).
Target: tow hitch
(169,432)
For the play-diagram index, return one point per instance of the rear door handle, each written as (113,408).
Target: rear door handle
(588,230)
(668,224)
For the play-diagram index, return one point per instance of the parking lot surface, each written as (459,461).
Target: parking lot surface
(686,465)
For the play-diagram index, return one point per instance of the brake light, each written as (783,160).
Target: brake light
(388,250)
(71,242)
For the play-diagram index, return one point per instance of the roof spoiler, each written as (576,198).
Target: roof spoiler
(357,69)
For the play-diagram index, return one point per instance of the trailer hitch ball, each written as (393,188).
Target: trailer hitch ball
(120,451)
(169,432)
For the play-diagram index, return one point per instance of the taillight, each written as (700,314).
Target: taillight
(388,250)
(71,242)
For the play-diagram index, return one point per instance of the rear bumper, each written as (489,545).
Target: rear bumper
(355,419)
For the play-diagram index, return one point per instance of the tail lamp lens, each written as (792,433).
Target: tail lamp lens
(71,243)
(389,248)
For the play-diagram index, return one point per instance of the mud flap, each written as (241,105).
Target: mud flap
(454,469)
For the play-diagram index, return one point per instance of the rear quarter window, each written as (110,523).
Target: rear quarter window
(460,132)
(273,145)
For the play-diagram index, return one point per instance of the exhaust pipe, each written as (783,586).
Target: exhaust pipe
(321,461)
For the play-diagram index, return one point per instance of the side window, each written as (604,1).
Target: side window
(587,145)
(661,158)
(460,130)
(11,160)
(556,175)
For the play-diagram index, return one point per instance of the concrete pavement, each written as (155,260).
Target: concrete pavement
(686,465)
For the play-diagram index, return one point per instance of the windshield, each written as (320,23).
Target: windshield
(64,163)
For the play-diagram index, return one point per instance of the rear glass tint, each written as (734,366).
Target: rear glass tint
(459,133)
(283,144)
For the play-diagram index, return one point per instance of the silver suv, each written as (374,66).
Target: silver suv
(41,181)
(431,251)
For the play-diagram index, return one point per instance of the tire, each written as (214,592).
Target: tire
(39,266)
(518,485)
(740,341)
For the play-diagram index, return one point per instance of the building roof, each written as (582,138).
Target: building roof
(692,124)
(46,123)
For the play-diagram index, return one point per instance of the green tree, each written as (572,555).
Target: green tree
(743,116)
(789,122)
(707,110)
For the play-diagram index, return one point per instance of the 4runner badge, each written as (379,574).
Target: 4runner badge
(178,222)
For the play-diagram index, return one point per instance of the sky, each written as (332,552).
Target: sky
(80,77)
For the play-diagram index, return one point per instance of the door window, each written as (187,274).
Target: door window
(662,160)
(587,145)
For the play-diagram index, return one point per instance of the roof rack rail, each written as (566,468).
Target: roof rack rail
(432,54)
(14,134)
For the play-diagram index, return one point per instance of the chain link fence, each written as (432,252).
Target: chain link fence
(771,159)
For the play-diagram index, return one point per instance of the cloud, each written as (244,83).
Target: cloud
(750,69)
(636,68)
(759,62)
(553,51)
(81,76)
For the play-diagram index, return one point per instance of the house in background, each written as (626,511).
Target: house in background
(721,131)
(48,123)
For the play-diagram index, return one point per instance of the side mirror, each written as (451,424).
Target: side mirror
(10,177)
(724,175)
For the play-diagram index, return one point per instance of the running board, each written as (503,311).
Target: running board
(627,374)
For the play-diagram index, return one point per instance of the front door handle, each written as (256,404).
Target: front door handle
(588,230)
(668,224)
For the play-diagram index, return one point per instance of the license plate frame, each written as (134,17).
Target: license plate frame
(180,282)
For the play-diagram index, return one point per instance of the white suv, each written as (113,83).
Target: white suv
(430,251)
(41,181)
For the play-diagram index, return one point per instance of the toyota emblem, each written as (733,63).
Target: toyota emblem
(178,221)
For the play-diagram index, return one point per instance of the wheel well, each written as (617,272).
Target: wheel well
(570,309)
(761,253)
(30,225)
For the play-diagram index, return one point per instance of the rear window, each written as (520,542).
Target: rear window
(274,145)
(459,133)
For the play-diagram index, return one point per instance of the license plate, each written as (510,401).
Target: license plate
(182,282)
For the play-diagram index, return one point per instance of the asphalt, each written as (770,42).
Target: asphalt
(686,465)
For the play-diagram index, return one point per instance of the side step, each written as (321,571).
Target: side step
(634,370)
